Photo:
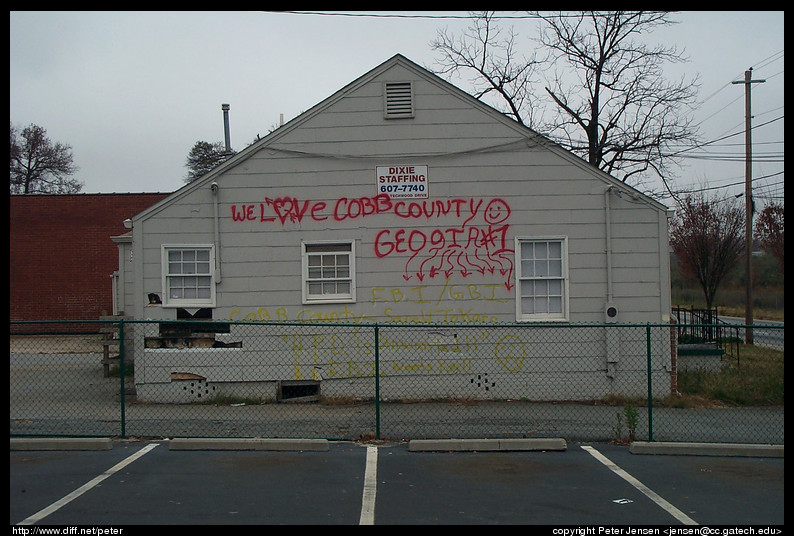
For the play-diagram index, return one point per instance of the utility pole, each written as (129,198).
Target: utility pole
(748,203)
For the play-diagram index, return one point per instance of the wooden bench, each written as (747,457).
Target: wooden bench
(110,344)
(107,360)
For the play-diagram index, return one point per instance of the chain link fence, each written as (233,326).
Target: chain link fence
(611,382)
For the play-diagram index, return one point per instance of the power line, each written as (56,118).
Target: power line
(707,188)
(724,137)
(393,15)
(426,16)
(769,59)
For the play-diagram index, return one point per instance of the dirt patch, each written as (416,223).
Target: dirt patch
(56,344)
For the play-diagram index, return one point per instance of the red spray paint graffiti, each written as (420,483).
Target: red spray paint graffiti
(479,243)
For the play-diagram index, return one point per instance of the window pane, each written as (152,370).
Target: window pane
(555,268)
(541,288)
(315,288)
(555,305)
(555,287)
(315,273)
(527,288)
(527,268)
(325,248)
(541,268)
(540,250)
(527,251)
(527,306)
(555,250)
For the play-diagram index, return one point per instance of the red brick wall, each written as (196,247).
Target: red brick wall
(62,255)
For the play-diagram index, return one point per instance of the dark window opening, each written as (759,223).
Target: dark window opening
(299,391)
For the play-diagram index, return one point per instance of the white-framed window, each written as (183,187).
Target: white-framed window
(328,272)
(542,277)
(188,275)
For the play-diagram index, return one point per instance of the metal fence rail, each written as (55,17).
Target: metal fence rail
(387,381)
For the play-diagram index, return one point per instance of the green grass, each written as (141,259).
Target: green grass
(767,305)
(755,378)
(759,315)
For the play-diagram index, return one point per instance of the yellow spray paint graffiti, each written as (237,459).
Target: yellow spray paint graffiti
(350,353)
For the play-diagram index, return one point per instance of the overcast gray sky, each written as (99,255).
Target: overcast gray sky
(131,92)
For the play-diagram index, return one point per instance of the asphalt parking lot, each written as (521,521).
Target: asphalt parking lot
(139,483)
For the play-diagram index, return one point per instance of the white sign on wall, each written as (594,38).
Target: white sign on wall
(402,181)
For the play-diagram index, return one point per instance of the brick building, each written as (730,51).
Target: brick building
(62,255)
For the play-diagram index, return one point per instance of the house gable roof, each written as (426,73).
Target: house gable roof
(527,134)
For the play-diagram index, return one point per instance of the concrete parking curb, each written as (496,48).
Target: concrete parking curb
(61,443)
(456,445)
(248,444)
(706,449)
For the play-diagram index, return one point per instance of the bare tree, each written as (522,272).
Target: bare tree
(769,231)
(491,57)
(38,166)
(708,239)
(606,95)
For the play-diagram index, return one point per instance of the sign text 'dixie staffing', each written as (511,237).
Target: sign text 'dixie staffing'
(402,181)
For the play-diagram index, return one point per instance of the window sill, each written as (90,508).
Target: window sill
(543,320)
(318,301)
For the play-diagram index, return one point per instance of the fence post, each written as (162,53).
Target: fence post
(377,382)
(738,346)
(650,388)
(121,375)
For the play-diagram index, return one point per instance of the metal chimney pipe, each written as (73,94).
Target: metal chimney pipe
(225,108)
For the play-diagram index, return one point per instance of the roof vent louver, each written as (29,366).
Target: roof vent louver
(399,100)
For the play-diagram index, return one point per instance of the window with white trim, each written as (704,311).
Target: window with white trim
(188,275)
(542,275)
(328,272)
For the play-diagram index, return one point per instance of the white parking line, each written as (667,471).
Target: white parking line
(85,487)
(672,510)
(370,487)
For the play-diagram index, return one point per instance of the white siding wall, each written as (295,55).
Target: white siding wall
(473,157)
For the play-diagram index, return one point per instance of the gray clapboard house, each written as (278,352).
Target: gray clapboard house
(399,200)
